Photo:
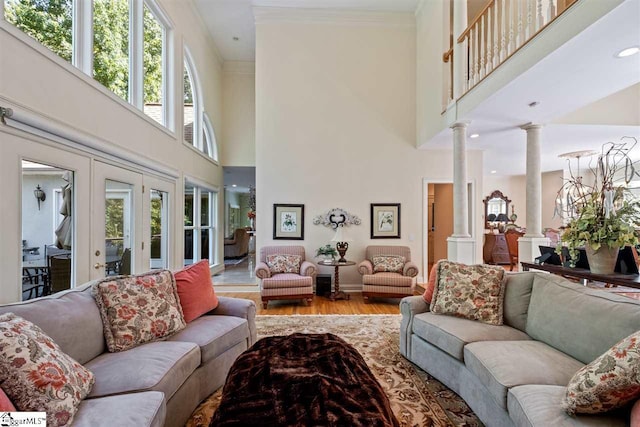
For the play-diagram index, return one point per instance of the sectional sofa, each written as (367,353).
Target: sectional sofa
(155,384)
(517,373)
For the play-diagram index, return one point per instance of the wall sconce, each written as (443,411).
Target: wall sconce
(40,195)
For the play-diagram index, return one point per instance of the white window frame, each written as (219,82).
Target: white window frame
(82,54)
(197,226)
(211,137)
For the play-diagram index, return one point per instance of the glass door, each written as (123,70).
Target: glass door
(158,202)
(117,231)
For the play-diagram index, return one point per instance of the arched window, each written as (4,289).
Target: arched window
(197,128)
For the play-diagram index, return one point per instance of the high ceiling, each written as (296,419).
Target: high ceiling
(586,96)
(229,19)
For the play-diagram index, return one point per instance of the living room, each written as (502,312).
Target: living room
(336,105)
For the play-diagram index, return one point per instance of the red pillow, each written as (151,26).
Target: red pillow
(195,290)
(431,284)
(5,404)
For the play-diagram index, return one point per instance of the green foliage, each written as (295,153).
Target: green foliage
(156,217)
(48,21)
(188,91)
(51,21)
(114,220)
(327,250)
(604,213)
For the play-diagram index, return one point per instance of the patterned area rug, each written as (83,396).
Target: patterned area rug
(416,398)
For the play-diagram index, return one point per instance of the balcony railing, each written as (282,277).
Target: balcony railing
(497,32)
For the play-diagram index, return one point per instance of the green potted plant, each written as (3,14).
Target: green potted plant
(327,251)
(602,213)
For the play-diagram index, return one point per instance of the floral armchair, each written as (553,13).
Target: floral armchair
(285,274)
(387,272)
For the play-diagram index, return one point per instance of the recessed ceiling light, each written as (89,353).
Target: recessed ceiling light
(235,39)
(494,171)
(628,52)
(233,185)
(474,135)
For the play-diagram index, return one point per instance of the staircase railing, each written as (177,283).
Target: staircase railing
(497,32)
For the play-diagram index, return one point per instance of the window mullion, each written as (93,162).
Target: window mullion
(82,39)
(136,53)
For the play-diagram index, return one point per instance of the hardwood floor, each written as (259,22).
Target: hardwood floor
(321,305)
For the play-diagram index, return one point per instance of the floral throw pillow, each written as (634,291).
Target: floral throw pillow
(388,263)
(284,263)
(474,292)
(36,375)
(609,382)
(138,309)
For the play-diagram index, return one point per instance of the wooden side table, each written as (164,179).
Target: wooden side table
(337,293)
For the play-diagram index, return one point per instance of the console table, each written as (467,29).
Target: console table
(337,293)
(628,280)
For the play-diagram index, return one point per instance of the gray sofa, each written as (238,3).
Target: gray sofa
(516,374)
(155,384)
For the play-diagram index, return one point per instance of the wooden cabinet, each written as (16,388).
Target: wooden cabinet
(495,249)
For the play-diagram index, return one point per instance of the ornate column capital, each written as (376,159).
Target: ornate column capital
(460,124)
(531,126)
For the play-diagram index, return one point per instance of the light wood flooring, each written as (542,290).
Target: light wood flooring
(321,305)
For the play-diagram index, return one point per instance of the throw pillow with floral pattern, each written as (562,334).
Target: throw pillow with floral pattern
(609,382)
(138,309)
(284,263)
(474,292)
(37,375)
(388,263)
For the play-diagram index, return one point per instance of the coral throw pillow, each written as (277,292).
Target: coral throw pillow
(138,309)
(474,292)
(388,263)
(195,290)
(431,284)
(37,375)
(5,403)
(609,382)
(284,263)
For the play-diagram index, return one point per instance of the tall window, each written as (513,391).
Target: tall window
(111,45)
(49,22)
(199,224)
(153,66)
(133,70)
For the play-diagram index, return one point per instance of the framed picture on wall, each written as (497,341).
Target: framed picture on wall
(385,220)
(288,222)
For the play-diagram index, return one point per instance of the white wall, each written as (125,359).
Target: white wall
(35,80)
(239,104)
(335,110)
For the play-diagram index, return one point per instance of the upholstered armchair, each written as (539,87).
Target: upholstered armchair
(387,272)
(285,274)
(238,246)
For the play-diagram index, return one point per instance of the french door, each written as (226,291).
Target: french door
(117,221)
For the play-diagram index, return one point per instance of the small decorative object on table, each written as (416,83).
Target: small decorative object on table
(327,251)
(604,215)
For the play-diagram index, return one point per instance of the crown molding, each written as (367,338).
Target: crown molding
(239,67)
(333,16)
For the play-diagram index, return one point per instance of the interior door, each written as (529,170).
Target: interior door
(117,230)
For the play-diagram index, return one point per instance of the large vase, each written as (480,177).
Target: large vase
(602,261)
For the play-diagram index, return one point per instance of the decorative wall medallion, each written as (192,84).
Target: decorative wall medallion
(335,217)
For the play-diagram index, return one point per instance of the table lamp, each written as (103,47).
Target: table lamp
(341,240)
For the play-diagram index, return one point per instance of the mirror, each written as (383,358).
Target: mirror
(495,204)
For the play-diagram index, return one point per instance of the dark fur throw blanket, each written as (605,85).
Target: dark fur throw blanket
(302,380)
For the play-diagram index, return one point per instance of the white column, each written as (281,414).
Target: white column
(461,247)
(460,196)
(459,49)
(528,244)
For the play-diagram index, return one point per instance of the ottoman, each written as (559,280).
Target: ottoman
(302,380)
